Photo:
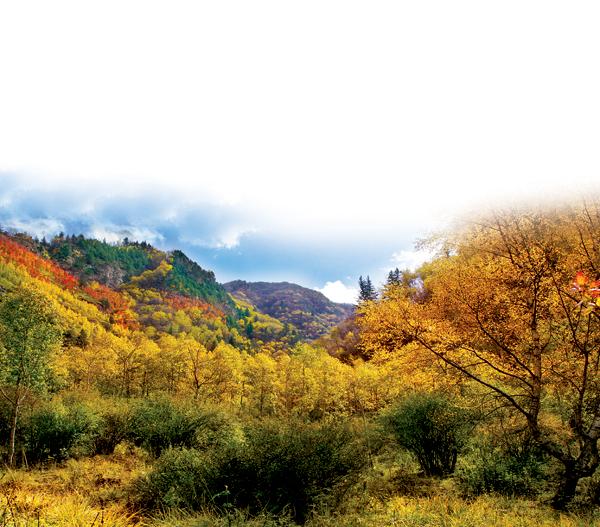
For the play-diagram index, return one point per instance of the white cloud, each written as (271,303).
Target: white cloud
(115,233)
(231,238)
(226,239)
(411,259)
(339,292)
(43,227)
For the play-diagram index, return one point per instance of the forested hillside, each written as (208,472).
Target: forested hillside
(135,390)
(115,264)
(272,312)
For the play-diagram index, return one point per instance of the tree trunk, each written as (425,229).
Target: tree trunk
(13,432)
(566,489)
(453,461)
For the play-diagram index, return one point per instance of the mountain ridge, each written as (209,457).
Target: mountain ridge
(310,311)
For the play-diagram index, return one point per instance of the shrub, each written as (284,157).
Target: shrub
(296,466)
(512,468)
(159,424)
(432,428)
(57,432)
(274,469)
(591,489)
(178,481)
(113,429)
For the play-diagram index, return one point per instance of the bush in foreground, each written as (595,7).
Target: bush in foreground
(274,469)
(160,424)
(56,432)
(432,428)
(511,467)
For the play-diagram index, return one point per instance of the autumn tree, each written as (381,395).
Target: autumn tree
(260,379)
(196,361)
(28,333)
(171,362)
(501,310)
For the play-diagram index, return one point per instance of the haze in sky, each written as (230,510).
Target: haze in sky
(308,141)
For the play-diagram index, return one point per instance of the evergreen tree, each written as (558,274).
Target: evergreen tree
(367,291)
(394,277)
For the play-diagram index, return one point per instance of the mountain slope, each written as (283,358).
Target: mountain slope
(143,288)
(164,302)
(311,312)
(114,265)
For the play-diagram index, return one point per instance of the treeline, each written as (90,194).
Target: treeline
(305,382)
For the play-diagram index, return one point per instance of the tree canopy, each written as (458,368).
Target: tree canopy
(28,333)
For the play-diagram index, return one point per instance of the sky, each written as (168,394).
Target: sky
(309,141)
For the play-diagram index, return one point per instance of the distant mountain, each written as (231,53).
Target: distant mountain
(309,311)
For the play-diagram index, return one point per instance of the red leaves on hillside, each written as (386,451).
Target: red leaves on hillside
(113,303)
(178,302)
(117,305)
(35,265)
(109,301)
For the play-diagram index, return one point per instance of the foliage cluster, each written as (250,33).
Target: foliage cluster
(515,468)
(95,260)
(72,427)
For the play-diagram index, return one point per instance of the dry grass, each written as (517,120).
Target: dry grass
(437,511)
(93,492)
(80,493)
(449,511)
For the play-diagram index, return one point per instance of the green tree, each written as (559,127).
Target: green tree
(432,428)
(366,289)
(394,277)
(28,333)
